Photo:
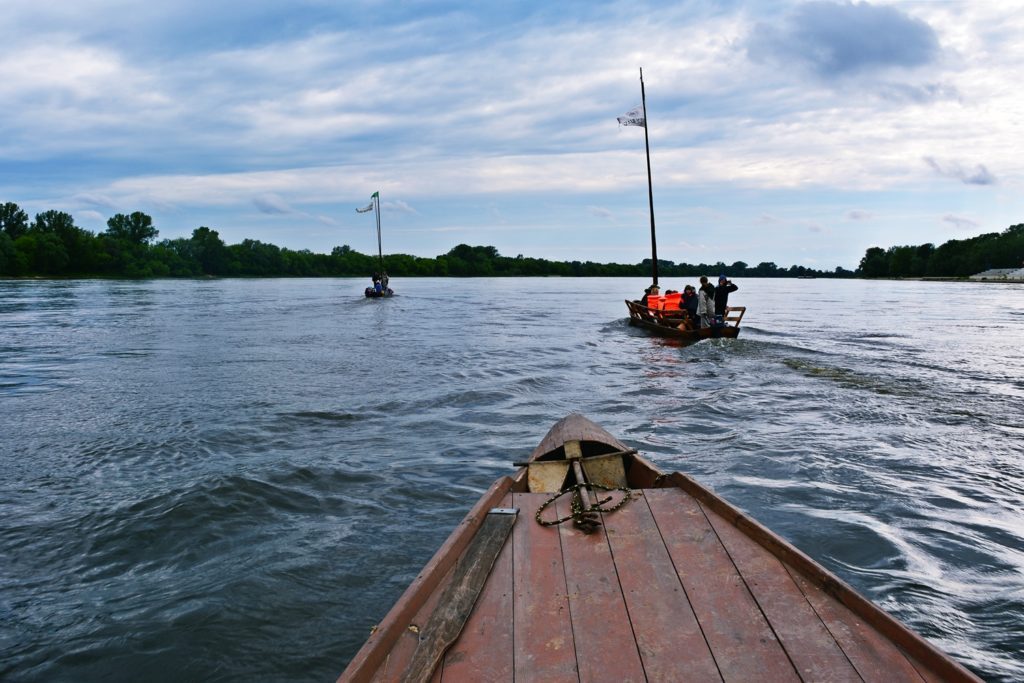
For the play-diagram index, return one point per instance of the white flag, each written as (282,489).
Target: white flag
(633,117)
(368,207)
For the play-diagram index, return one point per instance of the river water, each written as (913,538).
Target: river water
(222,480)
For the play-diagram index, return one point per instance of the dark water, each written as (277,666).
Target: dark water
(226,480)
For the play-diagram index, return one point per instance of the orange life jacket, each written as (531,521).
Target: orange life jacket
(671,301)
(655,302)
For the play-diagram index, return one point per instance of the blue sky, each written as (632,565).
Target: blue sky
(799,133)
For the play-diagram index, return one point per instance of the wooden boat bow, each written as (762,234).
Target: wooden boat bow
(676,584)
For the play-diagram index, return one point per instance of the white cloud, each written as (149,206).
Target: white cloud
(959,222)
(119,107)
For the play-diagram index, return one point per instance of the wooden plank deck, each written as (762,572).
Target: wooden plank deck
(667,590)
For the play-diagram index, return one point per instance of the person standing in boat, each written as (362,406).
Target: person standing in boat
(706,302)
(722,294)
(689,304)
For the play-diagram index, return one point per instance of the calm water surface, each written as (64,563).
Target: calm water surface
(233,479)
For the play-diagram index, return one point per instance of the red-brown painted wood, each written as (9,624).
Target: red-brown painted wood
(483,651)
(875,657)
(671,644)
(742,642)
(807,641)
(544,646)
(605,648)
(856,606)
(575,427)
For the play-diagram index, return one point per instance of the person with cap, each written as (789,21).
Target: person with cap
(654,290)
(689,304)
(722,294)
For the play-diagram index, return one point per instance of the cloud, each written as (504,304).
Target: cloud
(399,206)
(959,222)
(979,176)
(600,212)
(836,39)
(906,93)
(99,201)
(859,215)
(272,204)
(91,215)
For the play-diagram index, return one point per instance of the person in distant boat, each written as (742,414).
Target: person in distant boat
(653,290)
(689,304)
(706,302)
(384,281)
(722,294)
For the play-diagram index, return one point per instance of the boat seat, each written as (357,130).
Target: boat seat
(548,476)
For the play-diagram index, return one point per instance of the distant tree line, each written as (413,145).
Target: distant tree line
(955,258)
(52,245)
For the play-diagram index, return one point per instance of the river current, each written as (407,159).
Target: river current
(221,480)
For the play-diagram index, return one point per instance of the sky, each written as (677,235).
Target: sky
(799,133)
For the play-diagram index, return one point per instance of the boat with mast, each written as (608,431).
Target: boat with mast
(380,288)
(662,315)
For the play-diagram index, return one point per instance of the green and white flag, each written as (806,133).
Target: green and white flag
(369,207)
(633,117)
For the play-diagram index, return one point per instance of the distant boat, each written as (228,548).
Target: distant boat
(380,288)
(591,564)
(659,318)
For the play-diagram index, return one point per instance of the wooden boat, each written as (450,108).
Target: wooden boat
(380,275)
(671,583)
(665,324)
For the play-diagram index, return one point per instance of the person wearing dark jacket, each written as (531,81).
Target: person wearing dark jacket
(722,294)
(689,304)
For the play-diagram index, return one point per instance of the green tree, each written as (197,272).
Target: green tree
(874,264)
(136,228)
(13,221)
(44,252)
(209,250)
(8,255)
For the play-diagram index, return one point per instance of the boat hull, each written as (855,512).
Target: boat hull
(372,293)
(668,330)
(666,324)
(676,583)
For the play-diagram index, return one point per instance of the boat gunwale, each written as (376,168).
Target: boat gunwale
(384,635)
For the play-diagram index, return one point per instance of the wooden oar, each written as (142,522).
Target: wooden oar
(445,624)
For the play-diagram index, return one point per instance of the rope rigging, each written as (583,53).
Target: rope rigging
(584,517)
